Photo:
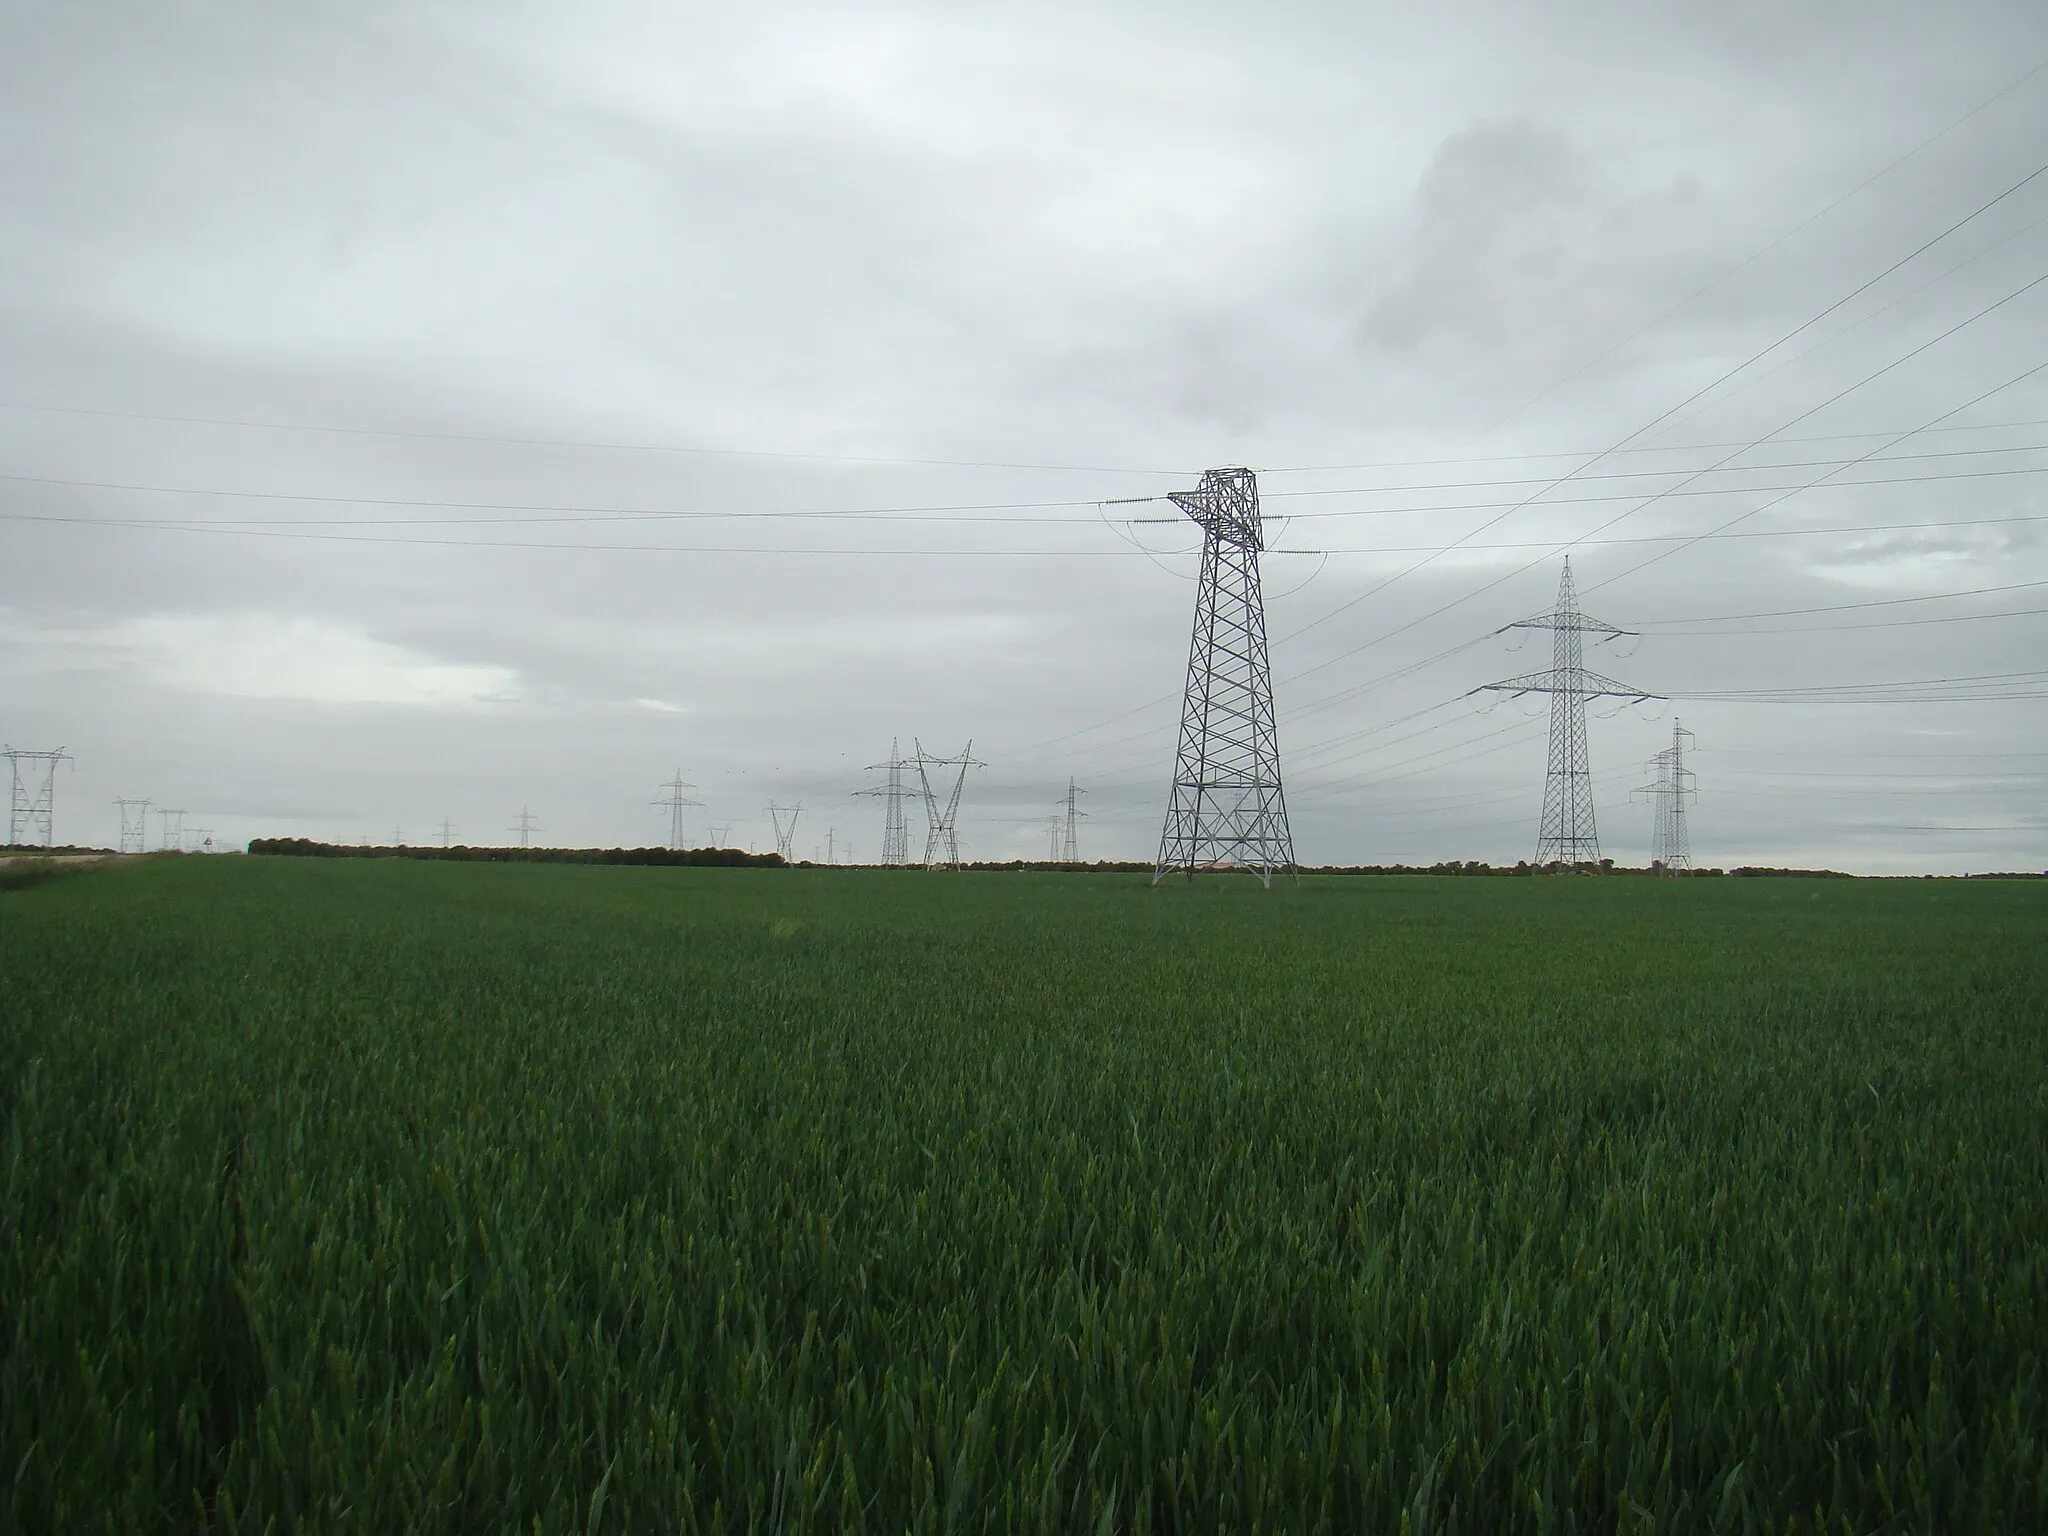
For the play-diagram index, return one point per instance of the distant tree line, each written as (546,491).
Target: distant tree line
(716,858)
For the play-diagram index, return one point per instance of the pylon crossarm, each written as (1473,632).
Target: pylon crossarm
(1594,686)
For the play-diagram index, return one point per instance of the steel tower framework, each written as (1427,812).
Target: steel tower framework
(1226,809)
(32,814)
(134,825)
(942,837)
(1670,787)
(895,829)
(1070,846)
(785,832)
(1568,835)
(674,803)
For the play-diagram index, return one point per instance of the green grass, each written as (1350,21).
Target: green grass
(383,1195)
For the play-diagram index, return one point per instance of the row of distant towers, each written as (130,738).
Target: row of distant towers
(1227,808)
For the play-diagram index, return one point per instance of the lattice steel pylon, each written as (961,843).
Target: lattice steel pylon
(942,834)
(785,834)
(1568,835)
(674,803)
(134,825)
(1670,787)
(895,829)
(1070,845)
(1226,809)
(32,814)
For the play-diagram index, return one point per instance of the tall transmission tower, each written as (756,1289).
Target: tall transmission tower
(1070,847)
(1671,785)
(134,825)
(895,828)
(32,814)
(447,831)
(524,824)
(675,804)
(1052,839)
(720,833)
(1568,835)
(942,834)
(785,835)
(171,824)
(1227,809)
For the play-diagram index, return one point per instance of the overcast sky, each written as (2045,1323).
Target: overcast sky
(412,411)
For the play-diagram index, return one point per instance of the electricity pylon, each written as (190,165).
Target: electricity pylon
(447,831)
(134,825)
(32,814)
(523,824)
(1670,787)
(942,837)
(720,833)
(785,836)
(1226,809)
(675,804)
(1070,848)
(1052,839)
(171,841)
(895,829)
(1568,835)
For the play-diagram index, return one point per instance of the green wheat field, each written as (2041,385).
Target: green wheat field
(379,1196)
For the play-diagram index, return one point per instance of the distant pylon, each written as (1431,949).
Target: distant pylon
(447,831)
(1052,839)
(895,828)
(172,825)
(720,833)
(134,825)
(785,834)
(1568,834)
(675,804)
(32,814)
(942,835)
(1670,787)
(523,824)
(1226,809)
(1070,847)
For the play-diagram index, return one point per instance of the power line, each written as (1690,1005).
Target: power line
(1756,511)
(1754,258)
(969,513)
(1651,500)
(1881,602)
(1704,390)
(566,442)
